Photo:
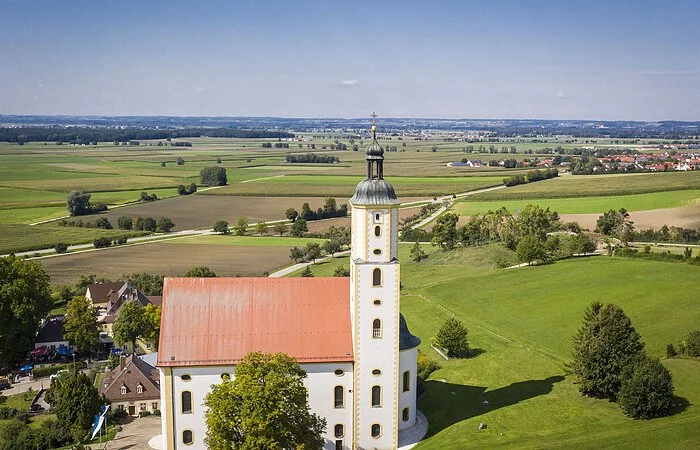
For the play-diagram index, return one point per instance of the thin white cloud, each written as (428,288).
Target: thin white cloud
(561,95)
(351,82)
(200,89)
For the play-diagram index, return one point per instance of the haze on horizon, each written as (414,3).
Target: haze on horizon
(623,60)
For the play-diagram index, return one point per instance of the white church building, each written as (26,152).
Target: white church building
(347,334)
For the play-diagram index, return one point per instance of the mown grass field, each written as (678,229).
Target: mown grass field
(227,256)
(21,238)
(522,321)
(597,185)
(585,205)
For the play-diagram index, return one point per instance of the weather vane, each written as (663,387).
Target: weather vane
(374,124)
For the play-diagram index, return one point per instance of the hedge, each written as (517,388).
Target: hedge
(50,370)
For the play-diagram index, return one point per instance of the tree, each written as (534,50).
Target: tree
(261,228)
(192,188)
(602,347)
(180,161)
(78,203)
(130,324)
(445,231)
(530,249)
(452,337)
(341,271)
(280,228)
(299,227)
(61,247)
(125,223)
(417,253)
(646,390)
(615,223)
(313,251)
(103,223)
(241,226)
(331,247)
(25,299)
(291,214)
(146,224)
(75,400)
(535,221)
(151,318)
(213,176)
(306,273)
(165,224)
(264,406)
(200,272)
(221,227)
(80,326)
(297,254)
(181,189)
(148,283)
(102,242)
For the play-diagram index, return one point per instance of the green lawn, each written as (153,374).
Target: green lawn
(585,205)
(31,215)
(522,321)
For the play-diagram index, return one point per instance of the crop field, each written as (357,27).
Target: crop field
(597,185)
(586,205)
(227,256)
(522,321)
(19,238)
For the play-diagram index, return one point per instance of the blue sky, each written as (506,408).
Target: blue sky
(636,60)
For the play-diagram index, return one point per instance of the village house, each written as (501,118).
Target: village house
(133,386)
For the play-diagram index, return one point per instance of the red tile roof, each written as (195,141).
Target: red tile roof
(215,321)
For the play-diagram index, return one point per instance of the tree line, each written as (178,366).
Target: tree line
(312,158)
(530,177)
(330,209)
(91,134)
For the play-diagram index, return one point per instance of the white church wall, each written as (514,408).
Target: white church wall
(408,361)
(320,384)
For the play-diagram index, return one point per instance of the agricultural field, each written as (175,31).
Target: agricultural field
(21,238)
(522,321)
(586,205)
(227,256)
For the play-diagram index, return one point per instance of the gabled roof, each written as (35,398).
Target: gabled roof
(131,372)
(52,331)
(99,293)
(216,321)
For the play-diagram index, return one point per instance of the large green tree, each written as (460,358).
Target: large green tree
(75,400)
(213,176)
(147,283)
(530,249)
(603,346)
(151,317)
(452,337)
(25,299)
(536,221)
(130,324)
(445,231)
(80,325)
(200,272)
(264,406)
(646,390)
(78,203)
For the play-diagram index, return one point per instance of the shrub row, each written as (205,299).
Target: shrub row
(50,370)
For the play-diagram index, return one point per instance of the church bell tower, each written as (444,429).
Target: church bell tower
(374,305)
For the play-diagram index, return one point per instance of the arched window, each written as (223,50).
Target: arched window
(376,396)
(405,415)
(377,328)
(339,397)
(377,231)
(186,402)
(377,217)
(339,430)
(123,390)
(376,430)
(377,277)
(139,389)
(406,381)
(187,437)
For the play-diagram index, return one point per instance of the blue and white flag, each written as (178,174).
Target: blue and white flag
(99,420)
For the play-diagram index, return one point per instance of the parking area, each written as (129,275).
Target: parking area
(136,434)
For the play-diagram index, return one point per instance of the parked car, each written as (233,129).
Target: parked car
(35,407)
(58,374)
(4,383)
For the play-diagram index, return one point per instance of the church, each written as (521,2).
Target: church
(346,333)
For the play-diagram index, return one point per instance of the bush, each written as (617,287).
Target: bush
(120,240)
(61,247)
(213,176)
(452,337)
(50,370)
(426,366)
(144,413)
(646,390)
(102,242)
(156,412)
(7,413)
(103,223)
(125,223)
(691,344)
(671,351)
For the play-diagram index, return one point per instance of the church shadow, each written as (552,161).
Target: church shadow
(446,404)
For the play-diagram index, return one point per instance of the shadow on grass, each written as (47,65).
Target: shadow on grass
(680,404)
(446,404)
(474,352)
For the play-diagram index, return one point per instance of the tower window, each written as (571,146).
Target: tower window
(186,398)
(187,437)
(378,217)
(376,396)
(339,430)
(376,328)
(377,302)
(406,381)
(339,444)
(339,397)
(377,231)
(377,277)
(405,415)
(339,372)
(377,251)
(376,372)
(376,430)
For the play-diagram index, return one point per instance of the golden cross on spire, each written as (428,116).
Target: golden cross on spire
(374,124)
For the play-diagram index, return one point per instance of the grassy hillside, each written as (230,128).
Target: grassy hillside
(522,321)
